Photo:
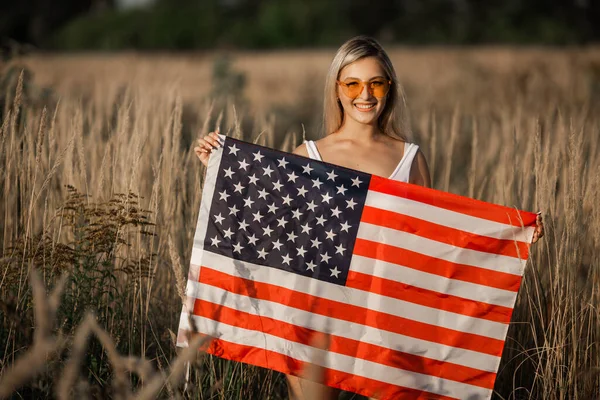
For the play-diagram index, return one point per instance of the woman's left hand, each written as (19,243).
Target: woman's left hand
(539,229)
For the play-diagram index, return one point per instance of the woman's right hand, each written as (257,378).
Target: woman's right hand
(206,145)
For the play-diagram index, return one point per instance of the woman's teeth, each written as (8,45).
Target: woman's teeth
(365,106)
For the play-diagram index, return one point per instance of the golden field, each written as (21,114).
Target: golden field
(100,185)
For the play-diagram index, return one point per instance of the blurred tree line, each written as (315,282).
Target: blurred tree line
(198,24)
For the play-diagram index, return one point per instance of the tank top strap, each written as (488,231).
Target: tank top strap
(402,171)
(313,152)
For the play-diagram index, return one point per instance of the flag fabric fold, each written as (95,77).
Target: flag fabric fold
(414,287)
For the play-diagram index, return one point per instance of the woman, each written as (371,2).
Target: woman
(365,129)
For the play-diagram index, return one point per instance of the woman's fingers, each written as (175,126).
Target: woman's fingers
(205,146)
(539,229)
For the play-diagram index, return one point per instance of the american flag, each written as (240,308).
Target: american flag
(415,287)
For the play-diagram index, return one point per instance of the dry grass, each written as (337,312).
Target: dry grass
(516,127)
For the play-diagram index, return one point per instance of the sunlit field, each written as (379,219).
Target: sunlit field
(100,191)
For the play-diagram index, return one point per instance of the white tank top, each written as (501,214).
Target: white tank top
(402,171)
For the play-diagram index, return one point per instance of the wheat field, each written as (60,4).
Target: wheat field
(100,193)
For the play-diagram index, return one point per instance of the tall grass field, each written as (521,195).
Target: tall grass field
(100,190)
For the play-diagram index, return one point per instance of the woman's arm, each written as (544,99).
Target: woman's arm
(419,171)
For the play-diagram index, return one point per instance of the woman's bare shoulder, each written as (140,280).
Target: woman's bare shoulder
(301,150)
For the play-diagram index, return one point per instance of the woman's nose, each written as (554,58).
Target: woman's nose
(365,94)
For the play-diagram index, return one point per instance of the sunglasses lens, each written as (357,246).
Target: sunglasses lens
(379,88)
(352,88)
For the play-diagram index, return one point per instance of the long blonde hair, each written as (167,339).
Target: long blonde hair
(393,120)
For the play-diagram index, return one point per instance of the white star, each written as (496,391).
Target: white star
(317,183)
(326,197)
(228,233)
(292,177)
(336,212)
(215,241)
(341,189)
(335,272)
(233,210)
(305,228)
(253,179)
(356,182)
(301,251)
(281,222)
(257,156)
(307,169)
(287,200)
(302,191)
(345,226)
(321,220)
(325,258)
(252,239)
(286,259)
(277,185)
(340,249)
(243,225)
(267,231)
(291,237)
(238,187)
(315,243)
(330,234)
(248,202)
(297,214)
(331,176)
(223,195)
(272,208)
(237,248)
(262,194)
(311,205)
(311,265)
(243,164)
(257,216)
(267,171)
(262,254)
(277,245)
(228,173)
(219,219)
(282,162)
(351,203)
(233,150)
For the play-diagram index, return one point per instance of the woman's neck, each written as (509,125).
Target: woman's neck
(357,131)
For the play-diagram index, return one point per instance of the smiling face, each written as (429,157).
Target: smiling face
(365,108)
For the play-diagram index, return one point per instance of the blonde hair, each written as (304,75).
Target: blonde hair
(393,120)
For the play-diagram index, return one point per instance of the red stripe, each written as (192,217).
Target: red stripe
(444,234)
(453,202)
(437,266)
(352,313)
(428,298)
(349,347)
(341,380)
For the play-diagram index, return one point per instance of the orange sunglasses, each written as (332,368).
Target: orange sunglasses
(378,87)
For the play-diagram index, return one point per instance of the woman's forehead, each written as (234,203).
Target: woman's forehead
(364,68)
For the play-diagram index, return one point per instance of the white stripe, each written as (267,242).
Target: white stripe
(443,251)
(339,362)
(451,219)
(437,283)
(349,330)
(342,294)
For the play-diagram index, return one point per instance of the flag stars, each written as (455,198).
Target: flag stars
(233,210)
(302,191)
(219,219)
(335,272)
(287,200)
(252,239)
(307,169)
(257,216)
(228,173)
(292,177)
(340,249)
(253,179)
(262,254)
(272,208)
(345,226)
(311,206)
(341,189)
(325,258)
(301,251)
(286,259)
(331,176)
(243,164)
(281,222)
(315,243)
(297,214)
(356,182)
(306,228)
(335,212)
(321,220)
(244,225)
(351,203)
(228,233)
(262,194)
(267,231)
(330,234)
(267,171)
(248,202)
(277,185)
(215,241)
(282,162)
(237,248)
(292,237)
(277,245)
(233,150)
(326,197)
(257,156)
(311,266)
(238,188)
(223,195)
(317,183)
